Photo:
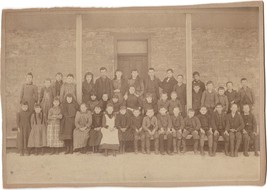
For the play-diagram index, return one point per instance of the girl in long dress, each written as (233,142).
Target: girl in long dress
(110,139)
(83,122)
(69,109)
(37,138)
(87,86)
(53,127)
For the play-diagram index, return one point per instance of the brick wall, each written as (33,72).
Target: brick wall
(217,54)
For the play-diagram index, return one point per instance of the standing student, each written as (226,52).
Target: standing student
(104,101)
(53,127)
(168,83)
(29,92)
(192,126)
(110,139)
(234,126)
(148,103)
(205,130)
(246,95)
(180,89)
(163,101)
(150,127)
(165,129)
(136,120)
(177,129)
(69,87)
(83,122)
(232,95)
(209,97)
(58,83)
(38,134)
(137,83)
(47,95)
(250,134)
(152,84)
(174,102)
(95,134)
(219,129)
(87,87)
(132,100)
(120,85)
(91,104)
(24,128)
(103,85)
(69,109)
(197,81)
(196,98)
(222,98)
(116,103)
(122,123)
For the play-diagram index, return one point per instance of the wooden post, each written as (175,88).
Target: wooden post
(188,30)
(79,57)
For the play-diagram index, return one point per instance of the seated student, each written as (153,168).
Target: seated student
(69,109)
(148,103)
(53,127)
(131,99)
(222,98)
(163,101)
(192,126)
(83,122)
(95,134)
(197,81)
(91,104)
(37,137)
(177,129)
(174,102)
(250,135)
(110,139)
(24,128)
(122,123)
(165,129)
(205,130)
(231,94)
(209,97)
(103,102)
(150,127)
(196,98)
(234,126)
(218,122)
(136,124)
(116,103)
(168,83)
(69,87)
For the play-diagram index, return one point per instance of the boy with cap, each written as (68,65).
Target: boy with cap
(205,130)
(218,122)
(250,135)
(192,126)
(177,128)
(234,126)
(136,124)
(150,127)
(165,126)
(122,123)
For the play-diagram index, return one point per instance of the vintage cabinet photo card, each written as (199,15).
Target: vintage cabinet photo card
(138,96)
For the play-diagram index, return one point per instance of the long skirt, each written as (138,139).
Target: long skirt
(110,139)
(80,138)
(23,137)
(53,140)
(94,137)
(67,127)
(128,135)
(37,136)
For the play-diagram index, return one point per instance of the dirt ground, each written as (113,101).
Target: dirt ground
(91,168)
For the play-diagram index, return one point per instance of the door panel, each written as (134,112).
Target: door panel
(126,63)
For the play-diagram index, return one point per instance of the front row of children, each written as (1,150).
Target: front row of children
(75,128)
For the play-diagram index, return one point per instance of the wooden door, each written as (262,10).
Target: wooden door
(126,63)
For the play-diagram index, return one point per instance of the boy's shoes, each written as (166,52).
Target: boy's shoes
(256,153)
(246,154)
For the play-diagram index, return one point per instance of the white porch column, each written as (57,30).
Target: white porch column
(79,57)
(189,60)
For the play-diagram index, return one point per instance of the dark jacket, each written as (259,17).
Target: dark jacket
(103,86)
(181,93)
(235,122)
(192,124)
(246,96)
(250,122)
(218,121)
(167,85)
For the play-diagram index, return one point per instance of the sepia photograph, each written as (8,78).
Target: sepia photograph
(159,96)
